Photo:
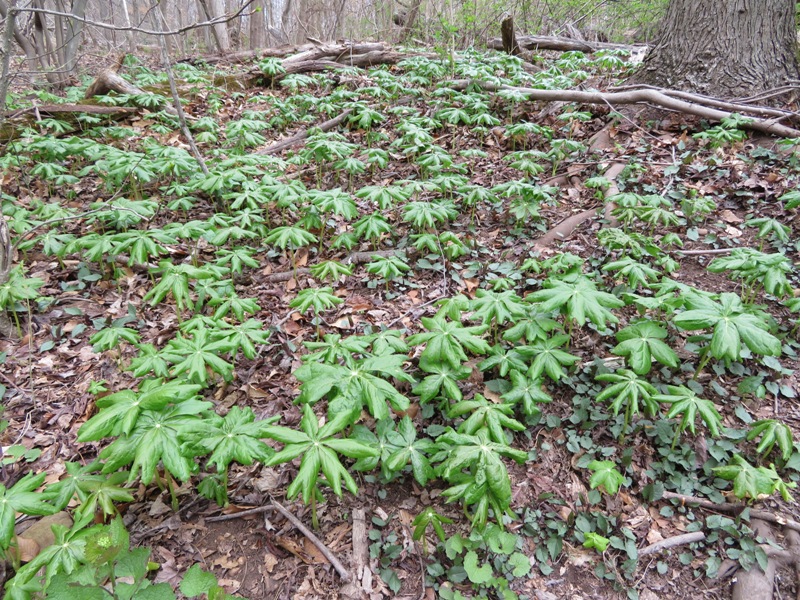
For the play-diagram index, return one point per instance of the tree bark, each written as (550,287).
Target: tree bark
(258,25)
(723,48)
(510,45)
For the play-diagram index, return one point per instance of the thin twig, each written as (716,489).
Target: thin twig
(241,514)
(343,573)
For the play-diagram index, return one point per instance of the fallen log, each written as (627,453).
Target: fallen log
(309,50)
(53,110)
(564,44)
(16,120)
(110,81)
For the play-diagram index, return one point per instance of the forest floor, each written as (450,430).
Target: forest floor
(473,180)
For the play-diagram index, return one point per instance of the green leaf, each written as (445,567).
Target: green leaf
(521,564)
(21,498)
(628,390)
(319,449)
(197,582)
(119,412)
(578,300)
(528,392)
(596,541)
(731,325)
(772,432)
(751,482)
(605,475)
(640,342)
(548,358)
(446,342)
(685,402)
(477,575)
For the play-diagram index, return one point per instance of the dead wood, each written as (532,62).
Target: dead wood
(321,57)
(755,583)
(508,36)
(343,573)
(53,110)
(15,121)
(361,586)
(110,81)
(641,96)
(673,542)
(548,42)
(246,56)
(741,107)
(302,135)
(335,52)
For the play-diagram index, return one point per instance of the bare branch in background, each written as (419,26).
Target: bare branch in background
(211,22)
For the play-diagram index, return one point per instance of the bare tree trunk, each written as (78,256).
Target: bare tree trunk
(258,25)
(408,21)
(220,30)
(73,34)
(217,9)
(24,43)
(723,48)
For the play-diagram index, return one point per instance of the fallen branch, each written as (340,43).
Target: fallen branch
(343,573)
(362,575)
(673,542)
(248,56)
(734,509)
(565,228)
(302,135)
(110,81)
(639,96)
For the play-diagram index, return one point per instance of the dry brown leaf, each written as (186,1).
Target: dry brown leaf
(729,216)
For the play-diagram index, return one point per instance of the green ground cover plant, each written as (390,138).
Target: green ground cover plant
(418,339)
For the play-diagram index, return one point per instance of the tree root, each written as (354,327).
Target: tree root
(734,509)
(658,97)
(755,583)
